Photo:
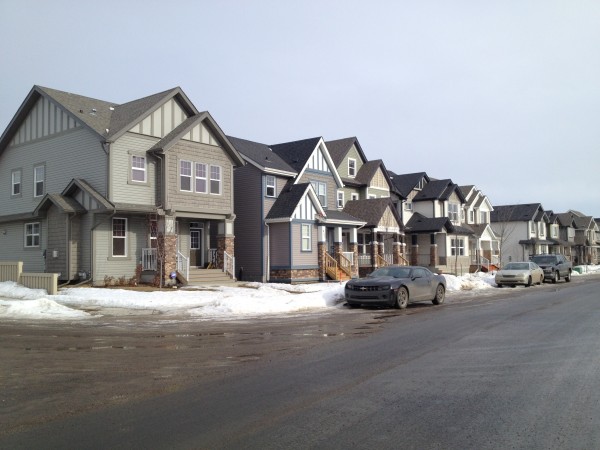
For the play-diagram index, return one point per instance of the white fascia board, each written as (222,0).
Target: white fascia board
(315,200)
(267,169)
(279,220)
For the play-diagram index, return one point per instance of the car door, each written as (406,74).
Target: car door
(421,284)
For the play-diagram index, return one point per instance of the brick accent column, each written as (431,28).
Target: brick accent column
(354,249)
(433,255)
(321,250)
(397,253)
(337,251)
(414,255)
(170,248)
(224,244)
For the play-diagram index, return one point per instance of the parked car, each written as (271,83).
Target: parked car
(396,286)
(525,273)
(555,267)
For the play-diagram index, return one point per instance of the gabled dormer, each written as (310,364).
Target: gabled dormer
(477,206)
(440,198)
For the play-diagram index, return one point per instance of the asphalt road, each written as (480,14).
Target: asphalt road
(518,369)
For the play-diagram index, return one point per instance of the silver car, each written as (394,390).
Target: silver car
(525,273)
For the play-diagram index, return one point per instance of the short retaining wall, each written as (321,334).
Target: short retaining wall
(13,271)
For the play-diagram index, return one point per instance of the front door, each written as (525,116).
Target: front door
(196,250)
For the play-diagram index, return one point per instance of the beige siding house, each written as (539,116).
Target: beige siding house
(106,191)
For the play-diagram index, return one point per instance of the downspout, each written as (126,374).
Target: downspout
(268,259)
(93,243)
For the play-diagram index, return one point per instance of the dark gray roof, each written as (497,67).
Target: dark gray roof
(296,153)
(261,154)
(367,171)
(64,203)
(338,149)
(405,183)
(341,216)
(438,190)
(80,183)
(418,223)
(515,213)
(287,201)
(478,229)
(371,210)
(466,189)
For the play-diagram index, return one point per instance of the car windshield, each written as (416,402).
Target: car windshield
(544,259)
(396,272)
(517,266)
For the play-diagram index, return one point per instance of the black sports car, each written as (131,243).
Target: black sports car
(396,286)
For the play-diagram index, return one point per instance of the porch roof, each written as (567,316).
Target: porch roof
(341,218)
(372,210)
(64,203)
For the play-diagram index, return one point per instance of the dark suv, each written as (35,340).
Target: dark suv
(555,267)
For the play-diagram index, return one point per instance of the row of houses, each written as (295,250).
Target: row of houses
(95,190)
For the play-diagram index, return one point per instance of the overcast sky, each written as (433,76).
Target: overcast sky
(501,94)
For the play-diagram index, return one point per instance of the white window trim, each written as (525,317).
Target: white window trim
(31,234)
(13,183)
(317,187)
(113,237)
(36,181)
(219,180)
(351,175)
(453,213)
(181,176)
(198,178)
(457,244)
(305,238)
(269,185)
(340,199)
(134,169)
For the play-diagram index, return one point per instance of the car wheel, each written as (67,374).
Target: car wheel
(402,298)
(555,277)
(541,280)
(440,295)
(568,277)
(500,285)
(529,281)
(351,305)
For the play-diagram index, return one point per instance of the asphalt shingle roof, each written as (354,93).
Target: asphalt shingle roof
(418,223)
(338,149)
(515,213)
(371,210)
(261,154)
(405,183)
(287,201)
(296,153)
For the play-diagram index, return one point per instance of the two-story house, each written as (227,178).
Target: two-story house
(561,231)
(586,243)
(367,195)
(288,212)
(98,190)
(483,246)
(521,230)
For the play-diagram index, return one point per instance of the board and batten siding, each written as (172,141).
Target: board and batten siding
(57,242)
(250,244)
(217,204)
(76,153)
(124,190)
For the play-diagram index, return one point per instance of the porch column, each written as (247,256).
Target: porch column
(397,251)
(169,249)
(353,247)
(433,252)
(337,243)
(374,250)
(321,250)
(225,241)
(414,254)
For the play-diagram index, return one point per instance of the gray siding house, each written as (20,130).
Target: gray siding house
(105,191)
(287,211)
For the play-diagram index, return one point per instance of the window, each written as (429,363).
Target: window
(408,206)
(353,196)
(16,182)
(306,237)
(340,199)
(542,227)
(201,181)
(185,176)
(453,212)
(457,247)
(471,216)
(38,180)
(32,234)
(138,169)
(554,231)
(483,217)
(532,228)
(119,237)
(215,179)
(270,186)
(351,167)
(321,190)
(421,184)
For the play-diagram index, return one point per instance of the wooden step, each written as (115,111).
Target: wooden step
(208,276)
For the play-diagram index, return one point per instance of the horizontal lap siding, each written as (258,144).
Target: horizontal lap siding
(301,258)
(73,154)
(12,246)
(280,244)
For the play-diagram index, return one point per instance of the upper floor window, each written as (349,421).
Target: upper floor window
(270,186)
(351,167)
(421,184)
(471,216)
(16,182)
(306,237)
(340,199)
(321,191)
(119,237)
(32,234)
(201,178)
(215,179)
(483,217)
(542,227)
(453,212)
(39,175)
(138,169)
(354,196)
(408,206)
(185,176)
(554,230)
(532,227)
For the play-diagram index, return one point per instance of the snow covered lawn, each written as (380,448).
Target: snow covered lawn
(254,299)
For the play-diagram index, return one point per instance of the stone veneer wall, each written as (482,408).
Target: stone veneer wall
(294,275)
